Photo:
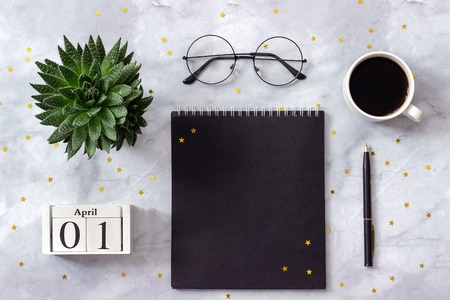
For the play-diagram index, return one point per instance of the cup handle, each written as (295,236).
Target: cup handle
(413,113)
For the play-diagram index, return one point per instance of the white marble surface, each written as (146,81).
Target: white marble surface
(27,164)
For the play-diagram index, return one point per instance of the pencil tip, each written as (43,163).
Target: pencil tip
(366,148)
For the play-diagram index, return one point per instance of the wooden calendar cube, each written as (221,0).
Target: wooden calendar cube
(86,229)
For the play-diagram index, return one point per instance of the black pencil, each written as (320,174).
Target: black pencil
(369,230)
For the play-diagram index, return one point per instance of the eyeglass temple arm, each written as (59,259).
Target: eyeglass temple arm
(190,79)
(291,69)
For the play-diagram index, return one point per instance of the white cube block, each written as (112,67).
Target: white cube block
(104,234)
(69,234)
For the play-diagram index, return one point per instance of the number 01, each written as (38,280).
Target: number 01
(62,235)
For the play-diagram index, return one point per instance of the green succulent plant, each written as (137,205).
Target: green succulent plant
(92,97)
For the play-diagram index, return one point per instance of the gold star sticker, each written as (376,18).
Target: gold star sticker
(372,153)
(318,105)
(369,46)
(238,91)
(27,137)
(56,144)
(30,105)
(109,159)
(50,179)
(340,40)
(347,171)
(341,284)
(398,141)
(64,276)
(181,140)
(27,59)
(28,49)
(23,199)
(392,278)
(222,15)
(371,30)
(123,274)
(333,132)
(284,268)
(141,192)
(360,1)
(97,13)
(428,167)
(308,242)
(428,215)
(21,264)
(405,174)
(119,170)
(332,192)
(169,52)
(10,69)
(404,26)
(374,290)
(160,275)
(193,130)
(14,227)
(5,149)
(124,9)
(421,266)
(313,38)
(101,189)
(406,204)
(414,74)
(150,92)
(163,40)
(387,163)
(266,46)
(309,272)
(228,296)
(328,229)
(391,222)
(153,177)
(276,11)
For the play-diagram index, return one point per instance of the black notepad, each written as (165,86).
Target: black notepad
(248,204)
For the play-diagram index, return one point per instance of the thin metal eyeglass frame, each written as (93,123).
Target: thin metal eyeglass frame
(251,55)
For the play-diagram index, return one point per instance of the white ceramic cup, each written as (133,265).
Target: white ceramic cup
(407,108)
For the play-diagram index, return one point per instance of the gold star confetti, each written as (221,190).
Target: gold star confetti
(313,38)
(360,1)
(27,137)
(30,105)
(276,11)
(308,242)
(370,30)
(387,163)
(404,26)
(27,59)
(281,109)
(371,181)
(284,268)
(391,222)
(347,171)
(392,278)
(163,39)
(123,274)
(398,141)
(238,91)
(109,159)
(101,189)
(333,132)
(50,179)
(56,144)
(372,153)
(428,215)
(340,40)
(374,290)
(64,277)
(309,272)
(369,46)
(28,49)
(153,177)
(21,264)
(1,103)
(328,229)
(228,296)
(181,140)
(421,266)
(150,92)
(266,46)
(14,227)
(124,9)
(160,275)
(119,170)
(169,52)
(341,284)
(97,13)
(10,69)
(405,174)
(332,192)
(141,192)
(414,74)
(193,130)
(5,149)
(318,105)
(428,167)
(23,199)
(222,15)
(406,204)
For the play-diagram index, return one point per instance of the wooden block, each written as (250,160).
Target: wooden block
(86,211)
(104,234)
(69,234)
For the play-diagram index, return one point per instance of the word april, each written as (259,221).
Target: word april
(83,213)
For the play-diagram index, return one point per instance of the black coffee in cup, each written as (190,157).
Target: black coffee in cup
(378,86)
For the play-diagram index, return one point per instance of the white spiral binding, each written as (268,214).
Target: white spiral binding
(247,111)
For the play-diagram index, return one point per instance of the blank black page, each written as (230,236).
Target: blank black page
(247,193)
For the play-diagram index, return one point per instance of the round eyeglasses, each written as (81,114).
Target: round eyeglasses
(211,59)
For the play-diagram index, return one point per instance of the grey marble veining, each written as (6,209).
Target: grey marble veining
(400,248)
